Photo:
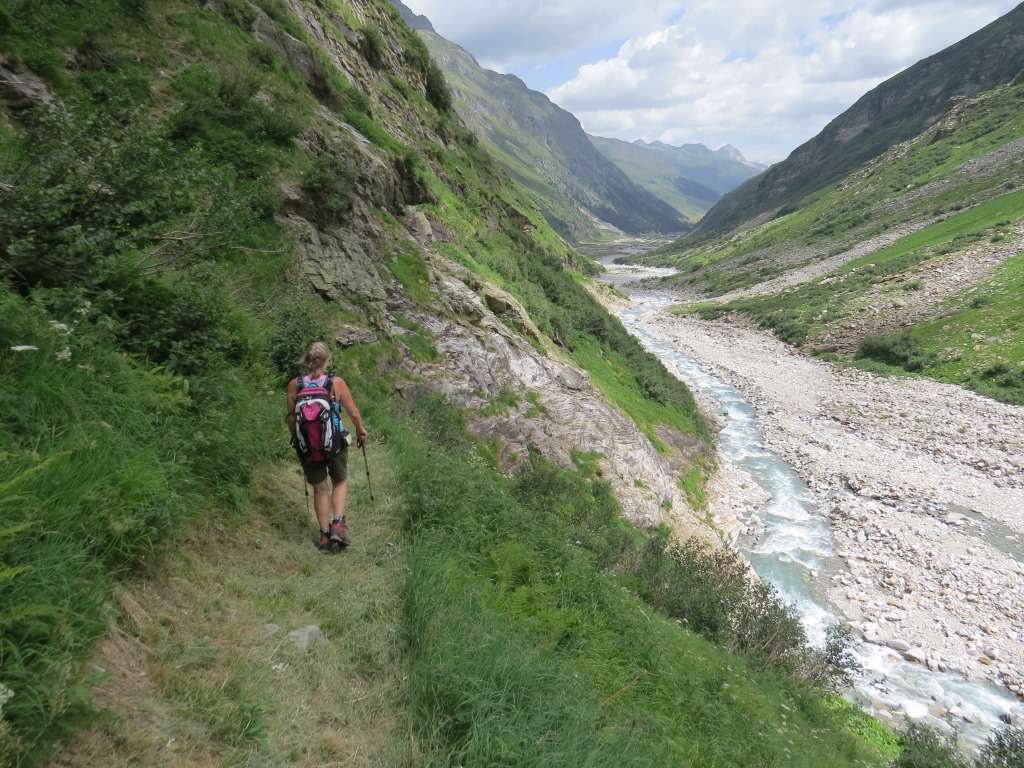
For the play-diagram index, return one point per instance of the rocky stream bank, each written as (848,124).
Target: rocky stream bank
(923,486)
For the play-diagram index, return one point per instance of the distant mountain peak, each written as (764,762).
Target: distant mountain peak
(414,20)
(730,152)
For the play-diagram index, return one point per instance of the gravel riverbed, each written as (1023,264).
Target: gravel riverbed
(922,483)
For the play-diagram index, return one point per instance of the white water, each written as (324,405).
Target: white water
(797,546)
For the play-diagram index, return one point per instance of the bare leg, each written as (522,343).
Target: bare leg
(338,496)
(320,504)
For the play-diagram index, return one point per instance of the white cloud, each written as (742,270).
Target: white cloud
(762,75)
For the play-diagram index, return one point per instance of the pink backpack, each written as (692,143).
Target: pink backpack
(319,436)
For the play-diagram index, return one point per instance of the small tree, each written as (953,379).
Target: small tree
(922,746)
(371,45)
(437,88)
(1003,749)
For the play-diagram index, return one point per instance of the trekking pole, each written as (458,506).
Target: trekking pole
(368,485)
(305,487)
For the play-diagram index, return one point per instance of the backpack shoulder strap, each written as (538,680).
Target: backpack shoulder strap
(329,385)
(300,384)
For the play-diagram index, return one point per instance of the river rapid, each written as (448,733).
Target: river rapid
(906,530)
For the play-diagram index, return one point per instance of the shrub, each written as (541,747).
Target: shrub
(437,88)
(91,197)
(416,51)
(330,183)
(371,45)
(788,326)
(1003,749)
(922,746)
(901,350)
(296,326)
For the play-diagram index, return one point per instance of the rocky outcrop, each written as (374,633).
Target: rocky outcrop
(559,413)
(22,89)
(335,263)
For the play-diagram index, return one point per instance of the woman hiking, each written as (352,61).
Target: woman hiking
(320,441)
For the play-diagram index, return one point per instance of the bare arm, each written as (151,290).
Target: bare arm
(345,398)
(290,415)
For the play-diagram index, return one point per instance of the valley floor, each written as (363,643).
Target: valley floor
(923,484)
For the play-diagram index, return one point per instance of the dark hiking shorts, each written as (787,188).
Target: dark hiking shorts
(317,472)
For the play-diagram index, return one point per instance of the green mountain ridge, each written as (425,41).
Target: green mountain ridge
(543,147)
(692,178)
(895,111)
(859,272)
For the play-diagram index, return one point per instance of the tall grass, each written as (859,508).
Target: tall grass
(530,645)
(106,457)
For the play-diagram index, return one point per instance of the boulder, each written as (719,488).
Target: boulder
(352,335)
(306,637)
(21,89)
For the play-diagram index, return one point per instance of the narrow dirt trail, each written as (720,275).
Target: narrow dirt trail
(200,669)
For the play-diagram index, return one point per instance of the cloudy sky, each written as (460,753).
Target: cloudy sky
(762,75)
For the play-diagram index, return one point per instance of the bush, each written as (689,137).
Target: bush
(922,746)
(901,350)
(1003,749)
(330,183)
(437,88)
(371,45)
(90,197)
(788,326)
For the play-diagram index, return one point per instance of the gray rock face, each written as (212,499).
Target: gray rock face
(336,264)
(564,414)
(350,336)
(22,89)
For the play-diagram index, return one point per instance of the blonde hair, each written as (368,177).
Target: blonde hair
(318,357)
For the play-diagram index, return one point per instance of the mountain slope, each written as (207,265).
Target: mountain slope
(691,178)
(545,149)
(914,263)
(897,110)
(189,195)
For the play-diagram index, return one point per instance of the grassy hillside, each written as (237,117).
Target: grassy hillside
(158,284)
(911,264)
(584,196)
(691,178)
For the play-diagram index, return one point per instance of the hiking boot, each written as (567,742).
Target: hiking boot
(337,533)
(324,545)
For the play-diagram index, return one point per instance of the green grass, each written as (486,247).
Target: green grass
(153,523)
(569,667)
(947,349)
(195,667)
(106,462)
(501,404)
(612,374)
(982,344)
(964,228)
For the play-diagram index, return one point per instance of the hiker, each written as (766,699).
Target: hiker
(323,444)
